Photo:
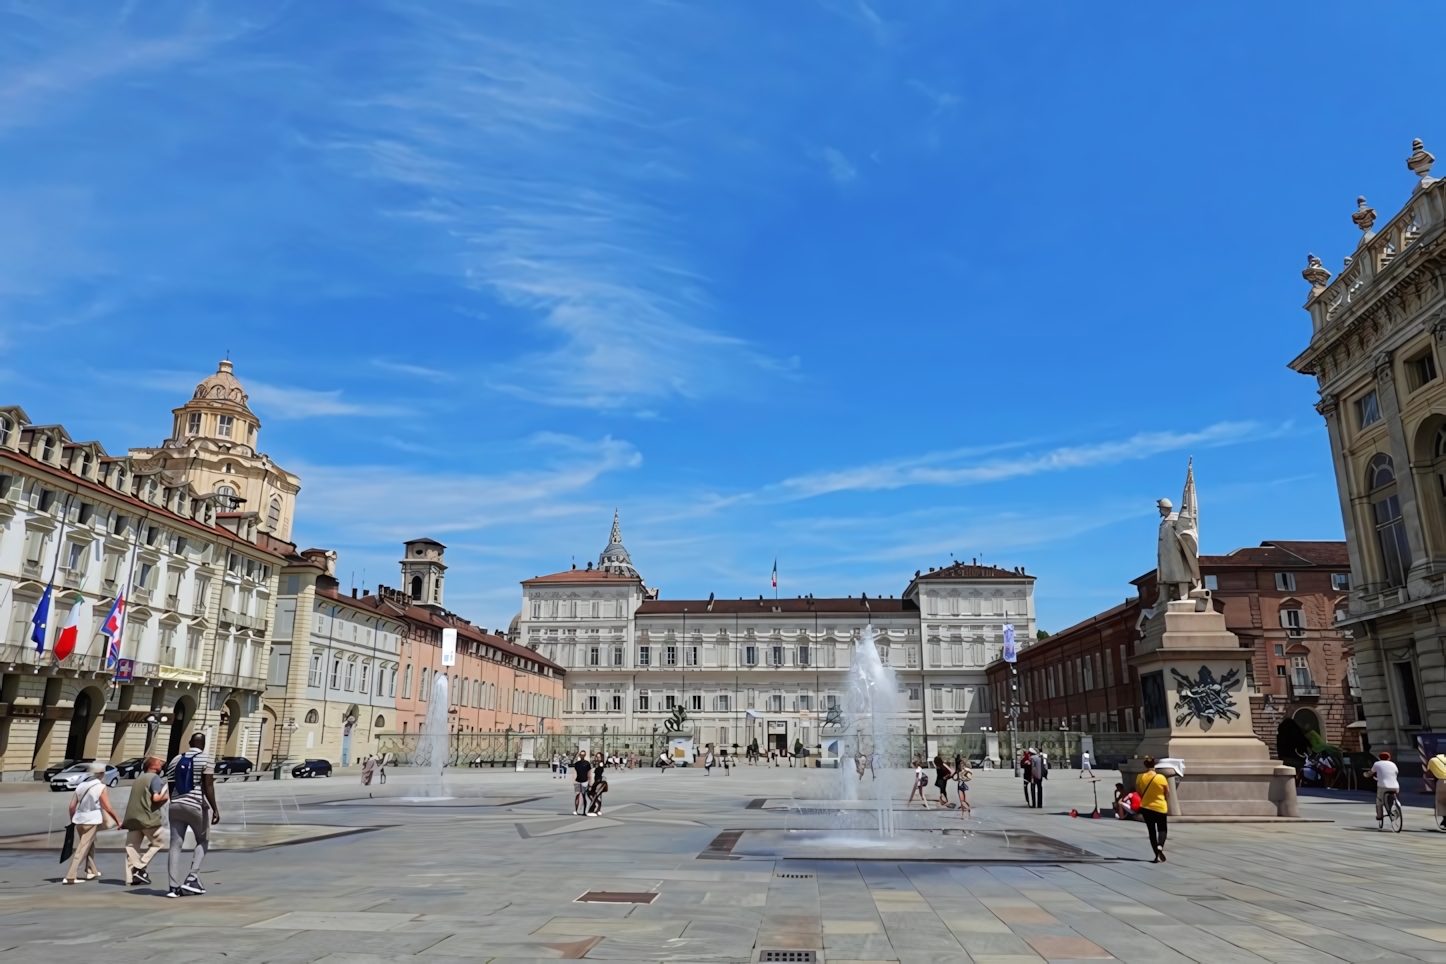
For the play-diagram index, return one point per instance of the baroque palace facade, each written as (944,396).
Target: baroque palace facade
(766,669)
(1377,334)
(199,573)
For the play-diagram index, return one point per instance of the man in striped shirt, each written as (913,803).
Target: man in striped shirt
(193,804)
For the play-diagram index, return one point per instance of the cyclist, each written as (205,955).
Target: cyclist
(1388,784)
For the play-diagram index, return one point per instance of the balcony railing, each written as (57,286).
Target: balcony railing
(242,621)
(140,596)
(1299,691)
(71,578)
(30,569)
(25,655)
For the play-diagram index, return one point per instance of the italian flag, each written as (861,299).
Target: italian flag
(65,642)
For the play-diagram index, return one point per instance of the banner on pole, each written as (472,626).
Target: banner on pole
(1011,653)
(449,647)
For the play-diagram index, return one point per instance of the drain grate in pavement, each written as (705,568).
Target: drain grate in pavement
(796,957)
(617,897)
(817,811)
(795,876)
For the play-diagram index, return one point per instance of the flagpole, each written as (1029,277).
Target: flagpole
(55,568)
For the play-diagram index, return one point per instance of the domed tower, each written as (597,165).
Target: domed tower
(615,558)
(422,571)
(213,446)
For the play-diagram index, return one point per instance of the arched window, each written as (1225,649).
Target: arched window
(417,587)
(1386,511)
(273,515)
(381,723)
(312,717)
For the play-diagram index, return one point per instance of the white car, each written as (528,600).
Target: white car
(70,777)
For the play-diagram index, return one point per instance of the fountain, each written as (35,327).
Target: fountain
(432,741)
(871,715)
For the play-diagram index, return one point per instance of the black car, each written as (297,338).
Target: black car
(131,769)
(234,764)
(312,768)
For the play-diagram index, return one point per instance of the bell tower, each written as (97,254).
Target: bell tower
(422,571)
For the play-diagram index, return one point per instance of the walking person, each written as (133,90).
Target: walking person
(192,776)
(963,775)
(1084,764)
(708,761)
(369,770)
(726,763)
(582,780)
(920,785)
(1024,761)
(1436,769)
(143,820)
(382,768)
(1154,791)
(942,773)
(556,765)
(89,809)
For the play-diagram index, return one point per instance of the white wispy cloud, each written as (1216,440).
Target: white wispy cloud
(417,371)
(840,168)
(943,468)
(283,402)
(379,503)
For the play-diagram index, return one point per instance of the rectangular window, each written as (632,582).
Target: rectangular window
(691,654)
(1410,699)
(617,656)
(1341,581)
(1368,409)
(1421,370)
(723,703)
(913,694)
(1279,649)
(1280,669)
(936,696)
(392,683)
(1294,621)
(913,652)
(223,425)
(695,702)
(1285,581)
(643,702)
(422,686)
(350,676)
(670,655)
(1391,537)
(804,656)
(336,674)
(617,702)
(407,683)
(645,655)
(593,610)
(1212,583)
(594,657)
(750,655)
(193,423)
(592,704)
(775,655)
(670,702)
(313,673)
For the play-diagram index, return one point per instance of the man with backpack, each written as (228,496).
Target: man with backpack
(192,777)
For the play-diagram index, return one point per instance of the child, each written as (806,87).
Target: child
(1126,804)
(921,784)
(964,776)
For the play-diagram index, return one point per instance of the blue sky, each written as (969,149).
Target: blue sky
(852,285)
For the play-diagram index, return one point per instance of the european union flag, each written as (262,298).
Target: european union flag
(41,620)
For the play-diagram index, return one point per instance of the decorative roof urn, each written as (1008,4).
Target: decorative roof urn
(1316,274)
(1420,164)
(1364,218)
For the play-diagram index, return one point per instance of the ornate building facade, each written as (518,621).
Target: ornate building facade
(1377,332)
(766,669)
(200,586)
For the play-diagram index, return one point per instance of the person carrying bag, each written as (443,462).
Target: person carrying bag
(89,810)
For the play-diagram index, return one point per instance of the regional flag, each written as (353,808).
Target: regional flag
(41,620)
(65,642)
(111,630)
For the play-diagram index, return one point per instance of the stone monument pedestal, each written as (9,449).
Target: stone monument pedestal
(1192,687)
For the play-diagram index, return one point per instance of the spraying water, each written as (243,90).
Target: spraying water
(872,744)
(432,744)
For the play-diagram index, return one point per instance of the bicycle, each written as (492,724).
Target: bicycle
(1391,812)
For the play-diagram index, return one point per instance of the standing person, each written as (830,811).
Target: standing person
(556,765)
(1388,777)
(921,784)
(89,807)
(724,754)
(1024,761)
(963,775)
(1084,764)
(708,761)
(599,786)
(192,776)
(369,770)
(1038,773)
(1154,791)
(582,768)
(382,768)
(942,773)
(143,820)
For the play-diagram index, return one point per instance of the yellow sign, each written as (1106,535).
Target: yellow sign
(182,674)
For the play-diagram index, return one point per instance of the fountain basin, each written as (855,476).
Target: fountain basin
(960,846)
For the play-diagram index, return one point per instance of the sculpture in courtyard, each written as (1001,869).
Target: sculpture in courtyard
(1205,698)
(1177,571)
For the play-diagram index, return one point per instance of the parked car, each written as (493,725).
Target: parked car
(312,768)
(51,771)
(70,777)
(234,764)
(130,769)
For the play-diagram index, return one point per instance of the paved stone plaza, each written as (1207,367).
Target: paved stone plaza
(320,871)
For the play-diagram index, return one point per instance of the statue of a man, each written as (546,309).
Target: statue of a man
(1178,569)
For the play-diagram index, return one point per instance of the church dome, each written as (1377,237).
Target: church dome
(223,386)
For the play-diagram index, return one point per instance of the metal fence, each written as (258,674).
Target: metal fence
(502,749)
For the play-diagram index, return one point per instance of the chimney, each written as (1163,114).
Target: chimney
(353,592)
